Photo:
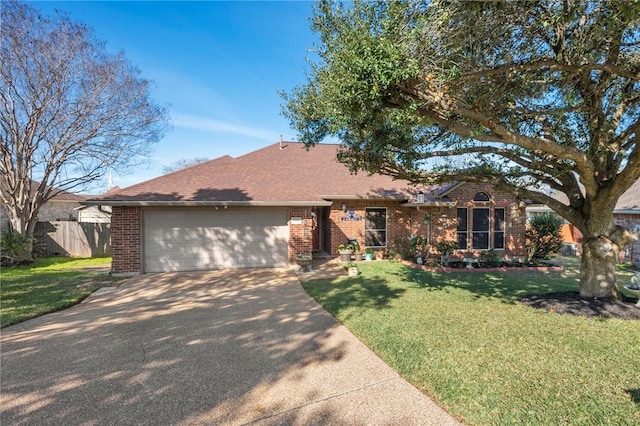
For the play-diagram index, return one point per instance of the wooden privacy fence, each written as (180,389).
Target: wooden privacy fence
(76,239)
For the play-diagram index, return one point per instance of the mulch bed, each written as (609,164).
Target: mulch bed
(570,302)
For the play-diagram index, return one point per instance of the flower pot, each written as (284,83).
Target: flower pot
(368,256)
(358,257)
(304,261)
(345,256)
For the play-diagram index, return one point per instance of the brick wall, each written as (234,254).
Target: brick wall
(126,228)
(515,220)
(402,222)
(345,226)
(300,232)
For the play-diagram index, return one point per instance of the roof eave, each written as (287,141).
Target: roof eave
(139,203)
(626,211)
(363,197)
(432,204)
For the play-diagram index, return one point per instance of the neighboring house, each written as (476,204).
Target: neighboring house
(263,208)
(63,206)
(626,214)
(66,227)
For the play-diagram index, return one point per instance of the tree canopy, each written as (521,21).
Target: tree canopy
(534,97)
(69,110)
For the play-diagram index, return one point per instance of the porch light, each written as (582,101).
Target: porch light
(515,210)
(421,197)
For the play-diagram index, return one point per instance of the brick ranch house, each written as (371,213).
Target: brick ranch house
(263,208)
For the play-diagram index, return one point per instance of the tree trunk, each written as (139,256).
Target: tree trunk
(24,225)
(597,269)
(599,258)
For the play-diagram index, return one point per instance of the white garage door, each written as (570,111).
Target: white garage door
(200,239)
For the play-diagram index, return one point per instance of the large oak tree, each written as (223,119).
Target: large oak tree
(69,111)
(536,98)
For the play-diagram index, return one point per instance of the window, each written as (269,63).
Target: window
(375,227)
(481,197)
(498,228)
(463,227)
(480,228)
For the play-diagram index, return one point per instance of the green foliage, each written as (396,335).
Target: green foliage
(431,92)
(543,236)
(346,247)
(446,248)
(419,246)
(16,246)
(491,258)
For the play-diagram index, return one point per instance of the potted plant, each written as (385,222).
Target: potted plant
(345,251)
(352,269)
(357,253)
(368,253)
(304,260)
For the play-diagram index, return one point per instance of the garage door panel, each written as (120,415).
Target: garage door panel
(184,240)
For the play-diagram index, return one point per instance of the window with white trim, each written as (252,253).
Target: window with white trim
(463,227)
(498,228)
(480,227)
(375,227)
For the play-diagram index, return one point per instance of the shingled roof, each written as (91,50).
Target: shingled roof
(629,202)
(58,194)
(280,174)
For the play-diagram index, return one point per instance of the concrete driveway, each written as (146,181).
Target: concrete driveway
(221,347)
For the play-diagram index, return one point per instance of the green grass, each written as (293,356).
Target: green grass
(48,285)
(464,340)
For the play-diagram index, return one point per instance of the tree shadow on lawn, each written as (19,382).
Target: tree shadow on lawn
(336,295)
(508,286)
(635,395)
(553,291)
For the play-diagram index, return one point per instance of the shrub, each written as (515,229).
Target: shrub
(543,236)
(445,248)
(491,258)
(15,249)
(419,246)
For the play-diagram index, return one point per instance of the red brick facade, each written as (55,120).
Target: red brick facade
(126,229)
(402,221)
(406,221)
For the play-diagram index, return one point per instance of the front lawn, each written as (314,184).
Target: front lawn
(48,285)
(463,339)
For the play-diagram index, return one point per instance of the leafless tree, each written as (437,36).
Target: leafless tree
(69,110)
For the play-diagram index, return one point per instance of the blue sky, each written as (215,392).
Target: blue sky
(217,65)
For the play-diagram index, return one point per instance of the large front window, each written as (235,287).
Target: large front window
(375,227)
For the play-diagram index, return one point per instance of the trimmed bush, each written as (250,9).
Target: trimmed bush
(543,236)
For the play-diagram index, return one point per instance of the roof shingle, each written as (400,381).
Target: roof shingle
(279,173)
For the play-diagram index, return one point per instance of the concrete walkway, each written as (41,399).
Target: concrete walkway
(242,347)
